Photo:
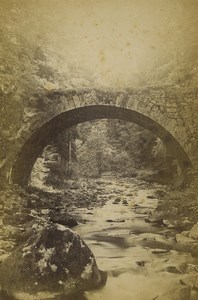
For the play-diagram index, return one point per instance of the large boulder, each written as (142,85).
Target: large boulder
(51,263)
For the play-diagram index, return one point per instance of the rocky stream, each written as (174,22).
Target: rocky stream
(142,255)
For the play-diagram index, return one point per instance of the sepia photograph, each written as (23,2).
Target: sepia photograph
(98,149)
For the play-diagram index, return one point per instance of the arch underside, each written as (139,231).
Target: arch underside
(34,146)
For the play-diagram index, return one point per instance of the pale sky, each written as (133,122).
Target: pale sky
(115,42)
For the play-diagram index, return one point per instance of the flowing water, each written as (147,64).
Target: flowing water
(138,257)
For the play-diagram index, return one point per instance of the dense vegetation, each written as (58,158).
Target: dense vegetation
(94,148)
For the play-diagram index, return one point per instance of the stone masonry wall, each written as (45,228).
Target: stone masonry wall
(172,107)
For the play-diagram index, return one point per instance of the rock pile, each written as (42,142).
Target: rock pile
(41,257)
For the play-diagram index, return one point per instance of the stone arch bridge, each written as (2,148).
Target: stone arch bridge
(158,109)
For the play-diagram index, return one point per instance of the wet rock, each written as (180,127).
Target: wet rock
(119,241)
(182,293)
(156,218)
(168,224)
(118,272)
(183,239)
(187,223)
(151,197)
(194,251)
(160,194)
(53,262)
(185,233)
(116,201)
(194,232)
(124,202)
(192,269)
(136,205)
(142,210)
(140,263)
(181,223)
(63,219)
(190,281)
(129,194)
(115,221)
(173,269)
(160,251)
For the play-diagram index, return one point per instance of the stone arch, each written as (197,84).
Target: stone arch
(34,145)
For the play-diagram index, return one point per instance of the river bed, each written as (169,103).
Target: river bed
(139,258)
